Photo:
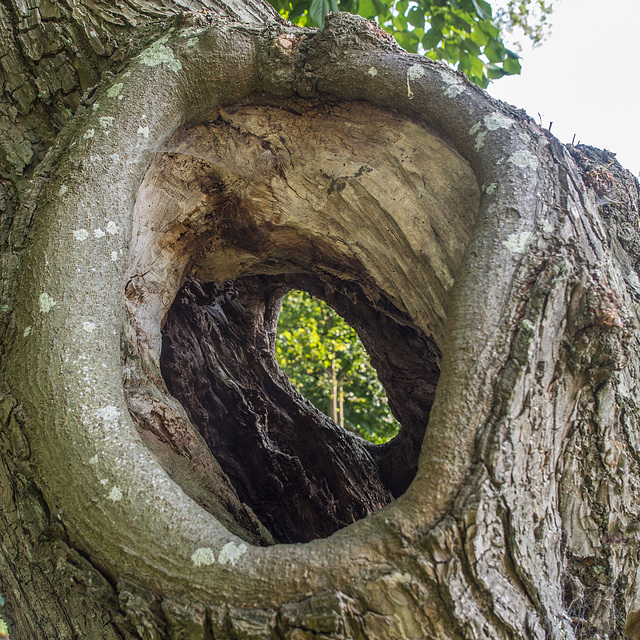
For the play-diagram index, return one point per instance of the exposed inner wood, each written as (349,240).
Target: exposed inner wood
(258,200)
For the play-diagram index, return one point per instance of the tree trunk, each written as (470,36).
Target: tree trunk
(169,171)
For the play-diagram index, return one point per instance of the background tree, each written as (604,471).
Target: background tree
(463,33)
(169,173)
(326,362)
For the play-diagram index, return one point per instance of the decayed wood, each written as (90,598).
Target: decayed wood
(301,474)
(229,194)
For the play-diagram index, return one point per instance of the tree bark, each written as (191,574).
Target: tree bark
(169,171)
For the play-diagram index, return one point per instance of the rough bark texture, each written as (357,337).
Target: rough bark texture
(491,272)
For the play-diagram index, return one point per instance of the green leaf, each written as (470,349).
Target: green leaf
(470,46)
(399,23)
(317,10)
(495,73)
(483,8)
(465,63)
(367,9)
(297,9)
(477,67)
(432,39)
(401,7)
(407,40)
(437,21)
(456,21)
(512,66)
(495,52)
(383,8)
(416,18)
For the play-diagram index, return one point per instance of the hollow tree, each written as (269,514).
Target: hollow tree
(170,171)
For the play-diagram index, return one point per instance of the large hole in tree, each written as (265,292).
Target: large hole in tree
(327,363)
(364,208)
(301,473)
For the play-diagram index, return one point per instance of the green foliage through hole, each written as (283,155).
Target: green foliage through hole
(326,362)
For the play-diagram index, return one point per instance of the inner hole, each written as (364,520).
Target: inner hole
(300,473)
(327,363)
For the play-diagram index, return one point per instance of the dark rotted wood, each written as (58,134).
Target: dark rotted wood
(407,363)
(304,476)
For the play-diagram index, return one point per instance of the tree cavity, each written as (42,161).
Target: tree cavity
(234,212)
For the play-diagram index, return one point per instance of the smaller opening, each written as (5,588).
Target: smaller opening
(326,362)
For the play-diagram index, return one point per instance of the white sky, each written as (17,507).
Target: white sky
(584,77)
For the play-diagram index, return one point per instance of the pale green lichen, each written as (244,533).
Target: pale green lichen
(89,133)
(89,327)
(524,159)
(115,90)
(455,87)
(203,556)
(159,53)
(191,32)
(112,228)
(96,106)
(99,233)
(491,188)
(143,131)
(518,242)
(497,121)
(106,121)
(93,460)
(27,332)
(528,325)
(109,413)
(413,73)
(373,72)
(81,235)
(114,256)
(231,553)
(63,189)
(492,122)
(547,227)
(115,494)
(46,302)
(480,140)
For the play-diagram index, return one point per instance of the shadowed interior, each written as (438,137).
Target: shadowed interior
(302,475)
